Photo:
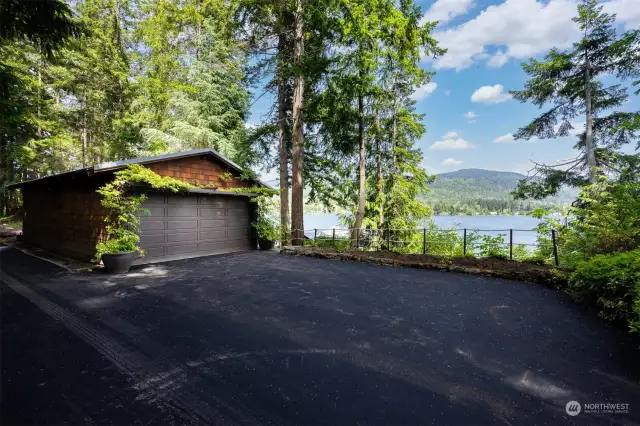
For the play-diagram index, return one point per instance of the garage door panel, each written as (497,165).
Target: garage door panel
(154,199)
(237,203)
(182,237)
(212,201)
(213,223)
(236,243)
(216,234)
(213,213)
(212,245)
(185,211)
(152,239)
(174,225)
(152,225)
(182,249)
(238,212)
(182,200)
(154,213)
(237,221)
(152,252)
(238,232)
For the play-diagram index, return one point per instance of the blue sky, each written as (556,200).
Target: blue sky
(487,41)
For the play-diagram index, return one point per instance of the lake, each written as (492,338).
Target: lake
(492,225)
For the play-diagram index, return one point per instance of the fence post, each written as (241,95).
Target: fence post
(302,238)
(388,239)
(357,238)
(424,240)
(334,238)
(464,245)
(315,235)
(511,244)
(555,247)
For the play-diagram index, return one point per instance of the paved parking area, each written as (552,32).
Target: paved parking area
(262,338)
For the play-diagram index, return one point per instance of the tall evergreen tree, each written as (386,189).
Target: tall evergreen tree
(568,80)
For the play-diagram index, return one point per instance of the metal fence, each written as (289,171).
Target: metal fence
(506,243)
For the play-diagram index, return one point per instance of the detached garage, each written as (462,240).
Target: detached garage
(63,214)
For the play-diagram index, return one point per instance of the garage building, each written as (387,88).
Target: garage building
(63,214)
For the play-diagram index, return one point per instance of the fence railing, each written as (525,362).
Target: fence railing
(506,243)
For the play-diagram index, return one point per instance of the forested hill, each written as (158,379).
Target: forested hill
(470,191)
(491,175)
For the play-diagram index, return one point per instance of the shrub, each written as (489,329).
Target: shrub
(267,228)
(610,282)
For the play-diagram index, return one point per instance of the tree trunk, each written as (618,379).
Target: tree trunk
(297,143)
(589,147)
(379,173)
(83,139)
(282,144)
(362,173)
(4,161)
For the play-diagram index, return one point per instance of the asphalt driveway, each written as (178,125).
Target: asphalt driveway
(262,338)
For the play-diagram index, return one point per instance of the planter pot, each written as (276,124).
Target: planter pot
(118,263)
(265,244)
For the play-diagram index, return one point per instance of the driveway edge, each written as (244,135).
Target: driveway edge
(518,271)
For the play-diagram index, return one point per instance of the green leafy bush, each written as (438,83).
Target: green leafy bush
(267,228)
(611,282)
(494,247)
(339,243)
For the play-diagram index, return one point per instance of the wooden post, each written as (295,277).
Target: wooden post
(357,238)
(388,239)
(511,244)
(334,237)
(555,247)
(464,244)
(315,235)
(424,240)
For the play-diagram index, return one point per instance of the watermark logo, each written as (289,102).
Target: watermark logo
(573,408)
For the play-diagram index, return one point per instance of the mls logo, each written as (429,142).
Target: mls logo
(573,408)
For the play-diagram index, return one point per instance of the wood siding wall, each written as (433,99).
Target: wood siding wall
(201,170)
(66,220)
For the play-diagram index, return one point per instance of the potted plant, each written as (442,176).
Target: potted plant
(268,232)
(119,251)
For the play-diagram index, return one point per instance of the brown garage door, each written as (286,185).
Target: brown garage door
(180,226)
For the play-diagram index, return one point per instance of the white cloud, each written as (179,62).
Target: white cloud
(518,29)
(470,115)
(508,138)
(451,162)
(627,12)
(446,10)
(451,141)
(424,91)
(490,95)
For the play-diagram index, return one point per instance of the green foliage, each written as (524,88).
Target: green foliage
(604,219)
(47,23)
(122,223)
(489,246)
(610,282)
(267,228)
(340,243)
